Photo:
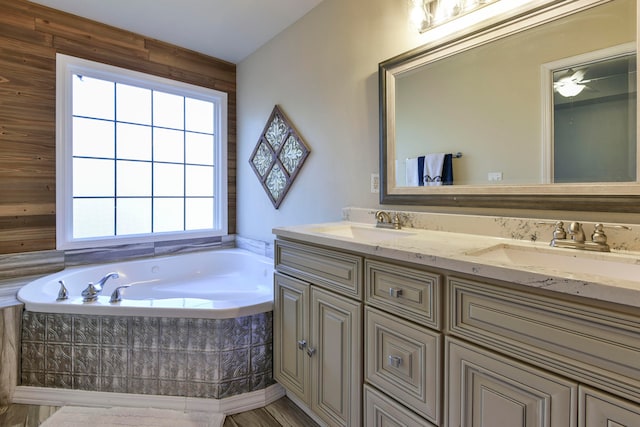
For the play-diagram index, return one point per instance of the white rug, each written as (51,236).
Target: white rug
(78,416)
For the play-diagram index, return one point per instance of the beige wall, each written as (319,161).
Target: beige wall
(322,71)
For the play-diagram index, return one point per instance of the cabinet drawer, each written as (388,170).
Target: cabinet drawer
(598,409)
(407,292)
(582,342)
(338,271)
(404,360)
(382,411)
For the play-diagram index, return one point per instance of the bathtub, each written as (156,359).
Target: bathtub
(219,284)
(191,325)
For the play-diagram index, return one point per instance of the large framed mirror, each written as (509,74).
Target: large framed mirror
(489,100)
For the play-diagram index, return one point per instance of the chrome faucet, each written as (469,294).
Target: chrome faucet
(107,276)
(383,220)
(91,292)
(577,239)
(576,233)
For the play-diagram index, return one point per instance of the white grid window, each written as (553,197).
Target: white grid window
(140,158)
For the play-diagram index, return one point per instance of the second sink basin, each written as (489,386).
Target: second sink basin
(363,232)
(616,266)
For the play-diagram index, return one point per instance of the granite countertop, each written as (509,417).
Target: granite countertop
(463,253)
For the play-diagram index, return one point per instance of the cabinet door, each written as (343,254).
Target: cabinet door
(335,352)
(290,335)
(485,390)
(598,409)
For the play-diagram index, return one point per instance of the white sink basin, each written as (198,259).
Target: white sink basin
(364,233)
(615,266)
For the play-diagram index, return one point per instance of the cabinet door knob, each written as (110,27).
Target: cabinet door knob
(395,292)
(302,344)
(395,361)
(311,351)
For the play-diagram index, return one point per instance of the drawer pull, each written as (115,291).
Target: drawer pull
(395,361)
(395,292)
(311,351)
(302,344)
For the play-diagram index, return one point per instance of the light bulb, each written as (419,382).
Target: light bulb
(418,14)
(568,88)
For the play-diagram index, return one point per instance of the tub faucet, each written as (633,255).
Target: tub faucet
(102,281)
(92,290)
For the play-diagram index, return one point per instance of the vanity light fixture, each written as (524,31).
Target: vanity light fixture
(425,14)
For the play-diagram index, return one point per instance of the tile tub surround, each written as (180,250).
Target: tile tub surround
(204,358)
(448,243)
(14,267)
(10,318)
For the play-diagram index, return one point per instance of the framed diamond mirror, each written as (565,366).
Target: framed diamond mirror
(278,156)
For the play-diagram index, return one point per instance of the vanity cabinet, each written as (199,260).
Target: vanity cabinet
(318,330)
(545,339)
(590,344)
(366,340)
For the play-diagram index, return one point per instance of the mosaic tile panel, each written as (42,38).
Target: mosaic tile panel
(278,156)
(208,358)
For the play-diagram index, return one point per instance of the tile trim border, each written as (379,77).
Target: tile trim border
(230,405)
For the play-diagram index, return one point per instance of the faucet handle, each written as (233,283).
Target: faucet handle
(116,295)
(558,231)
(598,235)
(63,293)
(90,293)
(396,221)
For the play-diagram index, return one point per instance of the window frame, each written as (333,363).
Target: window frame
(66,67)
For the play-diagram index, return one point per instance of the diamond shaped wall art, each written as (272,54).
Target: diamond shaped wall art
(278,156)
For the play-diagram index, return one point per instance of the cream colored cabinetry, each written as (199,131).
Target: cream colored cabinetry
(291,332)
(598,409)
(380,410)
(402,354)
(486,389)
(443,350)
(588,345)
(318,330)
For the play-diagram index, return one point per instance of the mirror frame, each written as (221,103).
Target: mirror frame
(600,197)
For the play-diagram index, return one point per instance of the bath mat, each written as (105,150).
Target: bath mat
(77,416)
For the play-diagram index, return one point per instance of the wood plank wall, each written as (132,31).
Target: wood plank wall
(30,36)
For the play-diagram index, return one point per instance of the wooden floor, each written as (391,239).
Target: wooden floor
(281,413)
